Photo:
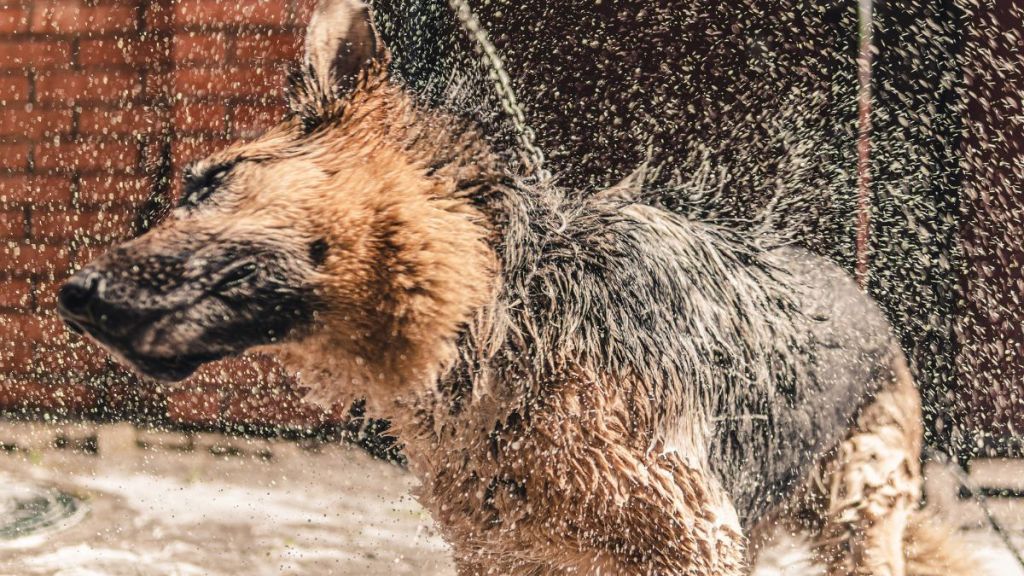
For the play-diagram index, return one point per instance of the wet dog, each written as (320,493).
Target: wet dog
(583,384)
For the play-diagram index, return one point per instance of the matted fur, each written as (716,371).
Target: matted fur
(608,375)
(583,384)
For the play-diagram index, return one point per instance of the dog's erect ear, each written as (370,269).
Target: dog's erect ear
(340,40)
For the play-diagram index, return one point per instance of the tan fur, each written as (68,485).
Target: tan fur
(409,263)
(874,484)
(378,247)
(339,40)
(932,549)
(863,507)
(574,490)
(575,481)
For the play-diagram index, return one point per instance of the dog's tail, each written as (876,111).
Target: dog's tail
(933,549)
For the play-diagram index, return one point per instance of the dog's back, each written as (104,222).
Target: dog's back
(815,420)
(769,441)
(795,352)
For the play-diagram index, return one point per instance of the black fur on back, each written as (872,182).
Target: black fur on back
(735,343)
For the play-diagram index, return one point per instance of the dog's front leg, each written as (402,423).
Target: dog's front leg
(635,518)
(601,502)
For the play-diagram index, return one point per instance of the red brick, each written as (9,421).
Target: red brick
(14,358)
(46,294)
(14,393)
(118,51)
(243,373)
(13,89)
(58,227)
(29,259)
(26,188)
(15,294)
(14,156)
(201,48)
(303,11)
(87,253)
(229,82)
(35,123)
(56,339)
(127,396)
(264,368)
(14,19)
(15,327)
(87,155)
(69,87)
(190,149)
(243,12)
(71,16)
(70,357)
(101,121)
(274,408)
(159,16)
(55,350)
(274,48)
(61,399)
(34,54)
(12,224)
(93,142)
(51,327)
(194,407)
(112,189)
(249,121)
(195,118)
(62,351)
(159,85)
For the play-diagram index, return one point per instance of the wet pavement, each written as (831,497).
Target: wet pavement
(218,506)
(116,501)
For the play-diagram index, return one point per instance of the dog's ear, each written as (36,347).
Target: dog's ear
(341,39)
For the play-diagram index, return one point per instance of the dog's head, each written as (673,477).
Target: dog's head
(337,230)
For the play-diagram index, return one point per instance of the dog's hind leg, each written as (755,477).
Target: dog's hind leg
(873,485)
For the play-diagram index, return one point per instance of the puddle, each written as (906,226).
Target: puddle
(29,513)
(161,511)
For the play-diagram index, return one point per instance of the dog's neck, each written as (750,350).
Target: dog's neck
(440,270)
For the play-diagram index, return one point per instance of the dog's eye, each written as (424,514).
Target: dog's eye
(198,186)
(237,276)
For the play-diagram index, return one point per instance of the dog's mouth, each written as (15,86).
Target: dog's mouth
(172,345)
(167,315)
(168,368)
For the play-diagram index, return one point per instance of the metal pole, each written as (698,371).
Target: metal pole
(864,60)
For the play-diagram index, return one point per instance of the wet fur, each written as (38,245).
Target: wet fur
(583,383)
(592,413)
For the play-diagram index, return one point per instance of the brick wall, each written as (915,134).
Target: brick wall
(100,100)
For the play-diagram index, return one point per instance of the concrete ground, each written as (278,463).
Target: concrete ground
(169,504)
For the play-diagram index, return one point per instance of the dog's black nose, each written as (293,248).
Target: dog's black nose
(87,304)
(76,294)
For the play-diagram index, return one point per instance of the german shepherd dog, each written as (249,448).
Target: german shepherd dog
(584,384)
